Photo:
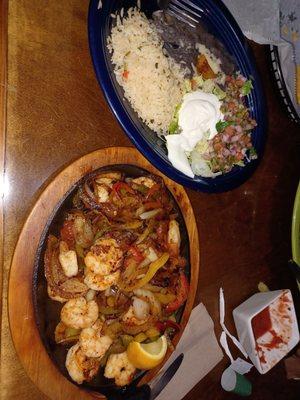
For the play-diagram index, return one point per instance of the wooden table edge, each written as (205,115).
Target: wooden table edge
(3,102)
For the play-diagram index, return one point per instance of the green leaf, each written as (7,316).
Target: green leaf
(217,91)
(246,88)
(221,125)
(252,153)
(173,127)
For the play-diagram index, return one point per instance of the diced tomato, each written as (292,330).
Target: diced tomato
(181,295)
(125,74)
(138,256)
(203,67)
(67,233)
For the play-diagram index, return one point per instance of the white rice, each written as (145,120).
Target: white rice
(155,83)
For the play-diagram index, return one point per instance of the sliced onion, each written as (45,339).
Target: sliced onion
(140,308)
(155,305)
(150,214)
(151,254)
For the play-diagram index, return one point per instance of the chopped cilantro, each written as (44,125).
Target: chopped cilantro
(173,127)
(246,88)
(252,153)
(221,125)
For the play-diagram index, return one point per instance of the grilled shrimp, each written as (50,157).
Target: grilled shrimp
(79,313)
(143,180)
(105,257)
(102,264)
(101,282)
(68,260)
(120,368)
(92,343)
(79,366)
(173,240)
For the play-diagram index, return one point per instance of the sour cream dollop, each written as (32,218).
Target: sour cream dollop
(197,116)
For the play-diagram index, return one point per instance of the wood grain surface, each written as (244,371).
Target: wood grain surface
(56,113)
(3,84)
(23,327)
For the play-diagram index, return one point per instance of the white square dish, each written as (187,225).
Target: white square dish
(267,327)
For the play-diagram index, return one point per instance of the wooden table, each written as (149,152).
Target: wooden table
(56,113)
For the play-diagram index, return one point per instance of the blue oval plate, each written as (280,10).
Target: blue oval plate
(222,25)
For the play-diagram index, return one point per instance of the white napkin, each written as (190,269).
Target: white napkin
(258,19)
(201,353)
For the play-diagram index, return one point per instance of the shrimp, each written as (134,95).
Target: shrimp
(143,180)
(101,282)
(120,368)
(102,264)
(68,260)
(105,257)
(92,343)
(173,240)
(80,367)
(79,313)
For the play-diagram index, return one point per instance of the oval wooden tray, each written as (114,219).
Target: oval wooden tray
(26,338)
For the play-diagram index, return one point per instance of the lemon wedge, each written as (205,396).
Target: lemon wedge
(147,355)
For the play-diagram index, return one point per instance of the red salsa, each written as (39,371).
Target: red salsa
(261,323)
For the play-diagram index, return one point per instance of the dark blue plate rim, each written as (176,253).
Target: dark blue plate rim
(245,61)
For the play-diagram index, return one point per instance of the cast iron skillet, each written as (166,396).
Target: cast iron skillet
(47,311)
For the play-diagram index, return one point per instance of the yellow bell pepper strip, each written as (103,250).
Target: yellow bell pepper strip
(165,298)
(140,337)
(135,224)
(153,268)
